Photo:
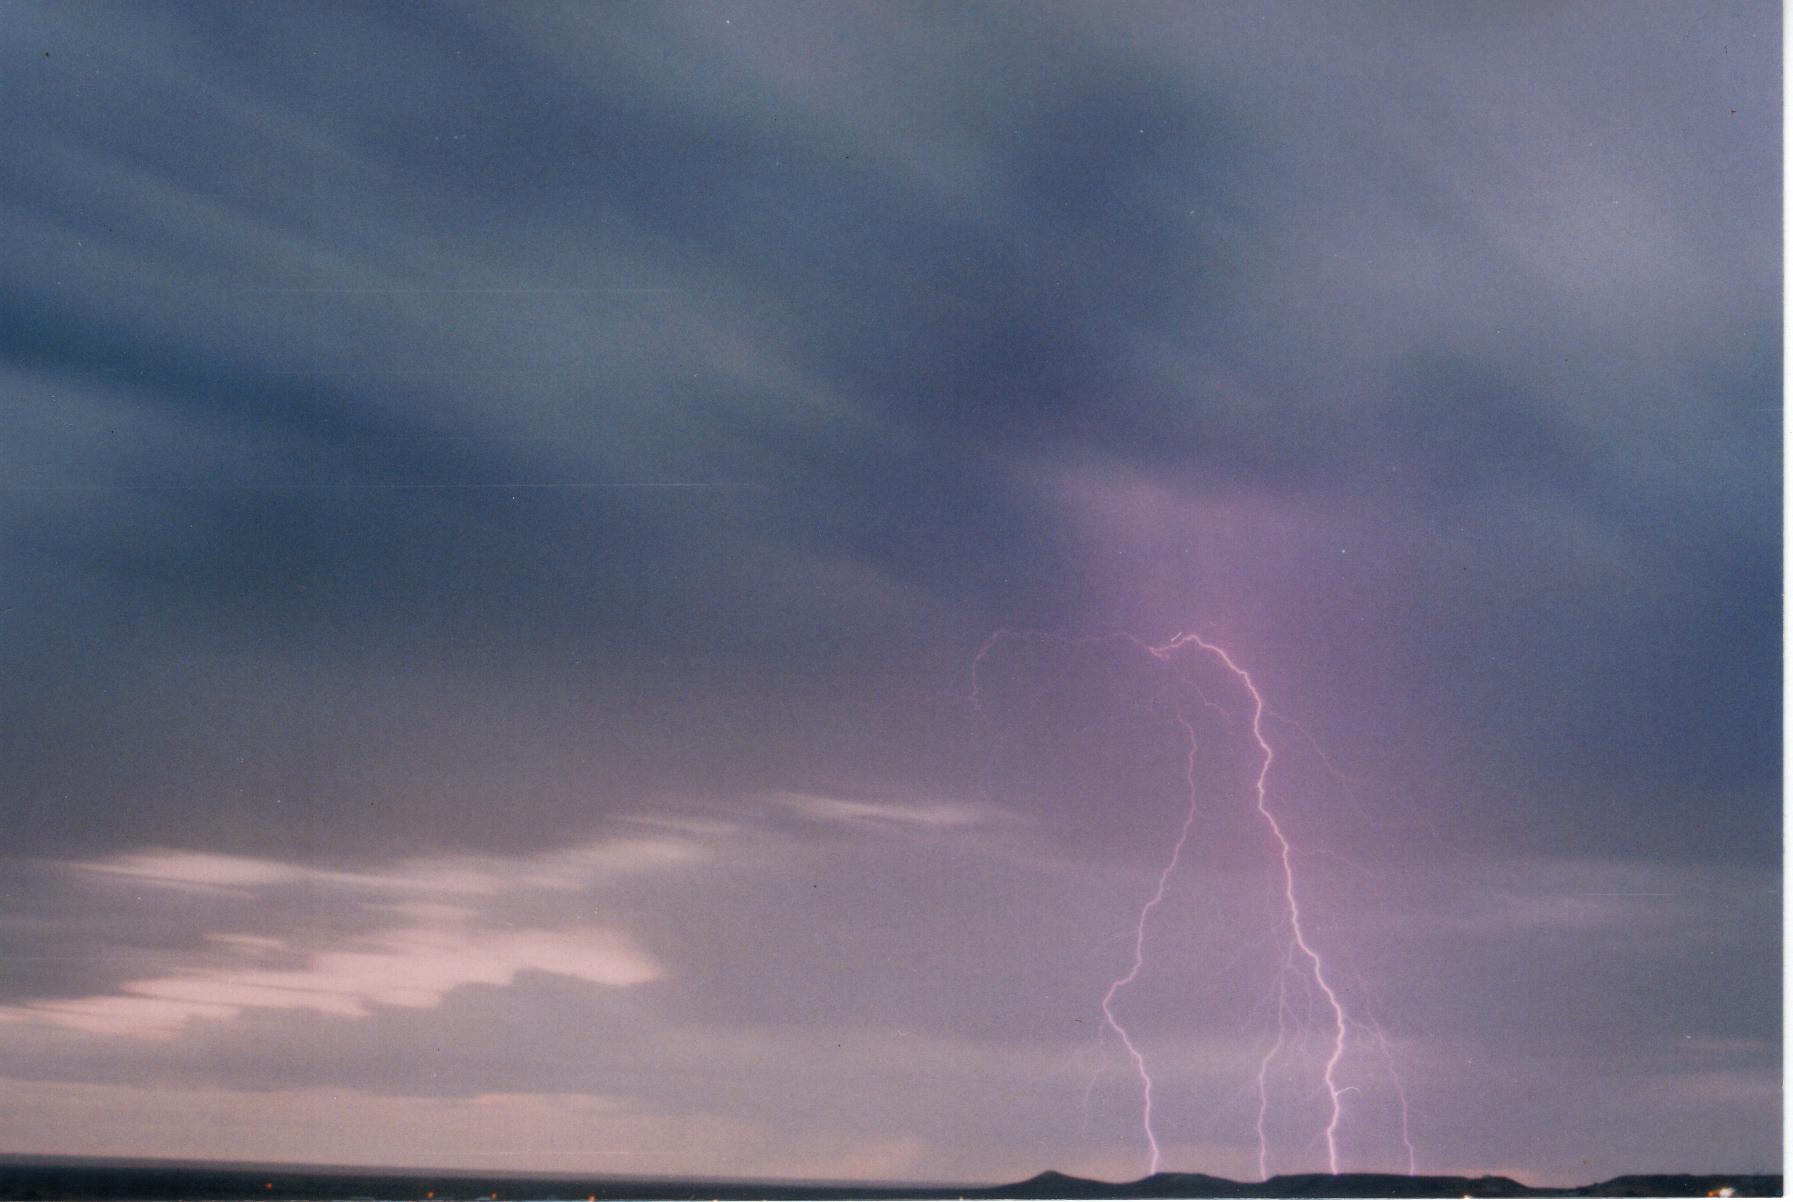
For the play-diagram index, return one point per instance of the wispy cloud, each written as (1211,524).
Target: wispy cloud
(576,867)
(412,966)
(438,924)
(890,815)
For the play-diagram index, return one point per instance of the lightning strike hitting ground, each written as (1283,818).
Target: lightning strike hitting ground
(1292,911)
(1270,1055)
(1299,948)
(1139,952)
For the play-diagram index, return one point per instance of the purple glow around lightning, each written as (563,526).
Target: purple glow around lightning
(1298,944)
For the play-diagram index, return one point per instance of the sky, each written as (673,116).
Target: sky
(599,588)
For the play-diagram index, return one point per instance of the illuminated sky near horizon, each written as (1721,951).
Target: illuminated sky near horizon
(501,503)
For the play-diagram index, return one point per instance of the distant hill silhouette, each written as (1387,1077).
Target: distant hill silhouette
(23,1178)
(1381,1185)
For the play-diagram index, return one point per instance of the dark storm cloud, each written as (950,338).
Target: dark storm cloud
(866,270)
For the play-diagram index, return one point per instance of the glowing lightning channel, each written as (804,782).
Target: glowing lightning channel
(1282,1014)
(1139,953)
(1298,940)
(1291,907)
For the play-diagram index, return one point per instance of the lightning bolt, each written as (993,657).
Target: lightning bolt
(1139,953)
(1291,904)
(1282,1030)
(1299,947)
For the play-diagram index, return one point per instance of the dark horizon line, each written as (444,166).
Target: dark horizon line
(449,1174)
(325,1167)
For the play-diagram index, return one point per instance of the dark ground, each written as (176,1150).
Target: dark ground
(88,1181)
